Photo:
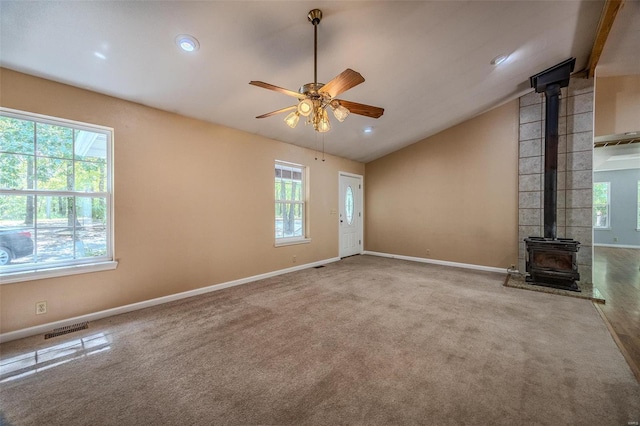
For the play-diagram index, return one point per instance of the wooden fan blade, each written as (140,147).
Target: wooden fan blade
(269,114)
(342,82)
(362,109)
(277,89)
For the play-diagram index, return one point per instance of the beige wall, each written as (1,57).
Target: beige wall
(454,194)
(193,205)
(617,105)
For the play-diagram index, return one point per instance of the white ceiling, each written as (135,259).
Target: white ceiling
(426,62)
(621,54)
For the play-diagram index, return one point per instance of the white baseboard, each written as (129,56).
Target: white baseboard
(439,262)
(43,328)
(617,246)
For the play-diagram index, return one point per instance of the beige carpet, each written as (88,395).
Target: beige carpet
(366,340)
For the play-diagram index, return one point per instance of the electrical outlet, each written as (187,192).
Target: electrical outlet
(41,308)
(295,259)
(615,239)
(428,252)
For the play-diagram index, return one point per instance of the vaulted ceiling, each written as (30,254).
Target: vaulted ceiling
(427,63)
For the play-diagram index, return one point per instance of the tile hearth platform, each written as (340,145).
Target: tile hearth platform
(588,290)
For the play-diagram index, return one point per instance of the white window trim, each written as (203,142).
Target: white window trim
(103,263)
(304,238)
(62,271)
(638,206)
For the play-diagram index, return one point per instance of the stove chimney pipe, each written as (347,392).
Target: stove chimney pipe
(550,81)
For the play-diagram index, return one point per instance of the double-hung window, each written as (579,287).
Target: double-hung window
(290,203)
(55,196)
(601,205)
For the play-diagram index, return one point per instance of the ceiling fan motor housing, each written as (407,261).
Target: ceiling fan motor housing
(315,16)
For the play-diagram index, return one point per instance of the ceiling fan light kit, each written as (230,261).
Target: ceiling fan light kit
(314,98)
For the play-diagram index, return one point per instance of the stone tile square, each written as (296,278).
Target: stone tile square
(530,148)
(585,255)
(579,179)
(580,160)
(583,234)
(562,125)
(530,182)
(580,198)
(580,103)
(580,141)
(526,231)
(561,218)
(562,144)
(530,165)
(579,86)
(561,199)
(529,200)
(582,122)
(531,98)
(561,180)
(531,113)
(562,162)
(530,131)
(579,217)
(529,216)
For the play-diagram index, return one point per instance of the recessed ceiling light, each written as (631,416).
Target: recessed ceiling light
(99,55)
(499,59)
(187,42)
(367,130)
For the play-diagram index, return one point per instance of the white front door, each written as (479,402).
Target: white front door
(350,214)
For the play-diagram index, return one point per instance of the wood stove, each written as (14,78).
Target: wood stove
(551,261)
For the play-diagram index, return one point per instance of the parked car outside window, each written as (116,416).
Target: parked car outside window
(14,243)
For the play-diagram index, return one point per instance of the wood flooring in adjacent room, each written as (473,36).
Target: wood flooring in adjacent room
(616,273)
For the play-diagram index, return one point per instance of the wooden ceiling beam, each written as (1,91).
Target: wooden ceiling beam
(608,16)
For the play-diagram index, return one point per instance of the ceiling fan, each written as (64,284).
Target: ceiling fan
(315,98)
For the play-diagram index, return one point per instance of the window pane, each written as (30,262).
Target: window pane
(16,171)
(16,230)
(298,192)
(55,228)
(289,220)
(91,227)
(16,135)
(91,146)
(279,221)
(600,193)
(54,141)
(54,174)
(348,204)
(90,176)
(16,210)
(601,219)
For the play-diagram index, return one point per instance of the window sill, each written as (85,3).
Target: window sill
(292,242)
(601,229)
(40,274)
